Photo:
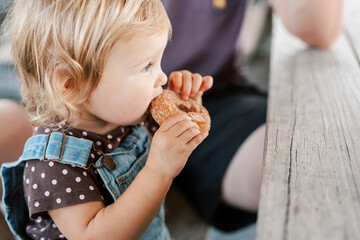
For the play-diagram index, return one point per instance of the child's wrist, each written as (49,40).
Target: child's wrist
(163,176)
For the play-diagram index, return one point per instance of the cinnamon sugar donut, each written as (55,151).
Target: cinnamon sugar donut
(169,104)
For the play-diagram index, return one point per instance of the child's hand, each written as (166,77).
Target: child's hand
(172,144)
(189,84)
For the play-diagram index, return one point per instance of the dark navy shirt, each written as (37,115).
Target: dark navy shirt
(204,39)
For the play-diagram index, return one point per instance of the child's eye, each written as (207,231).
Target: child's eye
(147,67)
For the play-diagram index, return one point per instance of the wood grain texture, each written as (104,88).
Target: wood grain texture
(351,25)
(311,176)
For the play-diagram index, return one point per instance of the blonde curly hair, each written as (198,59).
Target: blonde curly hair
(71,39)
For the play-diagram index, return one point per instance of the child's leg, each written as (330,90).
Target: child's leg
(242,180)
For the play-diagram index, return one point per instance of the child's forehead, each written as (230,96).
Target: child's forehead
(152,43)
(138,50)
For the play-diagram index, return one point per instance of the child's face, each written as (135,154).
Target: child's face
(131,78)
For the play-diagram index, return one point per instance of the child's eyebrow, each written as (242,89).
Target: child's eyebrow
(142,62)
(147,59)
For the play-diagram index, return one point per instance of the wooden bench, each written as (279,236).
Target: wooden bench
(311,176)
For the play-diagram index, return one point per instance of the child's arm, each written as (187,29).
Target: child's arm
(133,212)
(189,84)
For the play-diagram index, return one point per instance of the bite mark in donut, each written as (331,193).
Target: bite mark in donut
(169,104)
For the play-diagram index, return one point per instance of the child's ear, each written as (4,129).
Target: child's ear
(63,78)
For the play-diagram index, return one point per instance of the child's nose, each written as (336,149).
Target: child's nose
(162,79)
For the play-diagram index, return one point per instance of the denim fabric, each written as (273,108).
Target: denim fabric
(130,158)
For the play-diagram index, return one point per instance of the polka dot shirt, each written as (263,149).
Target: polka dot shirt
(51,185)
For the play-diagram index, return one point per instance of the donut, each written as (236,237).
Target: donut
(169,104)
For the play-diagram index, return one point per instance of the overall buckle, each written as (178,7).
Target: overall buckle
(61,152)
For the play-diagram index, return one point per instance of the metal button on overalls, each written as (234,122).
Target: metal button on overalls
(109,163)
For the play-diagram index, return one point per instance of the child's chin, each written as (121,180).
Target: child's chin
(141,119)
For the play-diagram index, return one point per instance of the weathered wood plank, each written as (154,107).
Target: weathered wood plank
(352,24)
(311,177)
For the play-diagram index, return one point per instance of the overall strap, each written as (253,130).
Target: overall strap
(52,147)
(58,147)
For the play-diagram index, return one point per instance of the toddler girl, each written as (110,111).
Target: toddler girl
(89,71)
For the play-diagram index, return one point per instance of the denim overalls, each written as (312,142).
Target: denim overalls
(118,169)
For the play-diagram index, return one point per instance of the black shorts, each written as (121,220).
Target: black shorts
(235,114)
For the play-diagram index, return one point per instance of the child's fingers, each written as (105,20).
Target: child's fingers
(168,123)
(197,97)
(189,134)
(186,84)
(179,128)
(196,84)
(175,81)
(207,83)
(195,141)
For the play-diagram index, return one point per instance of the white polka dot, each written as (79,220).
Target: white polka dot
(39,219)
(92,155)
(33,169)
(27,181)
(84,133)
(36,204)
(154,128)
(99,153)
(109,136)
(35,186)
(51,163)
(53,225)
(68,190)
(61,236)
(70,133)
(47,130)
(58,200)
(27,164)
(36,128)
(41,230)
(98,143)
(91,188)
(42,237)
(142,123)
(96,172)
(35,229)
(122,130)
(82,197)
(54,182)
(118,139)
(47,193)
(73,165)
(84,173)
(64,171)
(28,198)
(42,175)
(110,146)
(78,179)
